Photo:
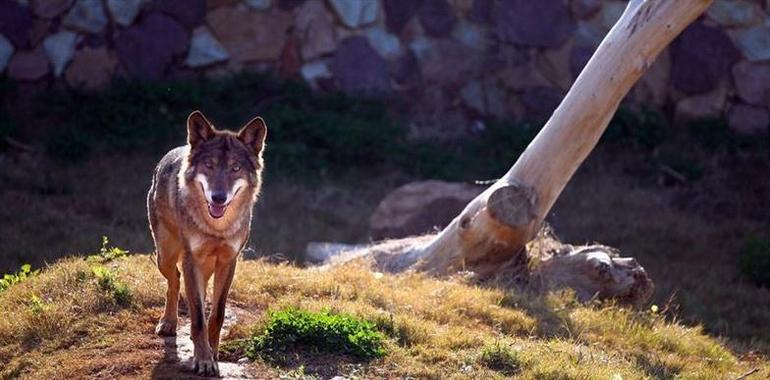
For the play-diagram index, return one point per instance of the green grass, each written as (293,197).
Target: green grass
(318,331)
(501,359)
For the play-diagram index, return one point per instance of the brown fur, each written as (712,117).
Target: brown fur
(188,236)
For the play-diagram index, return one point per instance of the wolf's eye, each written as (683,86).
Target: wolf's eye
(208,164)
(236,168)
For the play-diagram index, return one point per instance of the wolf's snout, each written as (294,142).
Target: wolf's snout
(219,198)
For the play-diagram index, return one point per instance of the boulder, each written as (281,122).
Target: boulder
(446,61)
(399,12)
(585,9)
(356,13)
(735,13)
(482,11)
(420,207)
(315,30)
(471,35)
(250,35)
(555,65)
(702,106)
(15,23)
(652,87)
(50,8)
(6,51)
(259,5)
(86,16)
(700,58)
(28,65)
(311,72)
(578,58)
(39,31)
(754,42)
(437,18)
(359,69)
(124,11)
(752,82)
(205,50)
(60,47)
(542,23)
(385,43)
(540,102)
(189,13)
(611,12)
(147,48)
(91,68)
(748,120)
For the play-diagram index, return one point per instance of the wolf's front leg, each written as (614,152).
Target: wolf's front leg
(195,288)
(223,278)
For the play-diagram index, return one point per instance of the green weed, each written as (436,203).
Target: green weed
(10,279)
(106,253)
(108,283)
(500,358)
(321,331)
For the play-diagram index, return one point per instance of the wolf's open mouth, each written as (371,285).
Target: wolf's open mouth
(217,211)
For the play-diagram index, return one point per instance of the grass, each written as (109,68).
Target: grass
(61,322)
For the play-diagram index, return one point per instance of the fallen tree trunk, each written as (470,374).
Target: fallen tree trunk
(492,232)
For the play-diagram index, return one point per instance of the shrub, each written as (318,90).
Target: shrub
(321,331)
(754,261)
(501,359)
(107,254)
(107,281)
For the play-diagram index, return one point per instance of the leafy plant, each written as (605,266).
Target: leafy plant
(108,282)
(321,331)
(107,254)
(500,358)
(10,279)
(754,261)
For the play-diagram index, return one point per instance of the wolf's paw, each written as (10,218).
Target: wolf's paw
(165,328)
(205,367)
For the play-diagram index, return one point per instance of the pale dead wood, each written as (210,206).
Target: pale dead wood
(492,232)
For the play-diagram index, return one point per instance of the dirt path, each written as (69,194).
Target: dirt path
(178,354)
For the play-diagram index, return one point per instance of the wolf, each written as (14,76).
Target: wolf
(200,208)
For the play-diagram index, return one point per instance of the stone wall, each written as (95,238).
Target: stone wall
(451,62)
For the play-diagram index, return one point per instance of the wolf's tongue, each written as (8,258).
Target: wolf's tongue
(217,211)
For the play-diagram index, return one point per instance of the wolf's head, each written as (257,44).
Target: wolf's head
(224,167)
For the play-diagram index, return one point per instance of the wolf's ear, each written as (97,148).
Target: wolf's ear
(253,134)
(199,129)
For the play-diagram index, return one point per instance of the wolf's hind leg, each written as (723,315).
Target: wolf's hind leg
(169,249)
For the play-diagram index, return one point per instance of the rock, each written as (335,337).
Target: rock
(317,252)
(578,59)
(470,35)
(735,13)
(385,43)
(359,69)
(437,18)
(543,23)
(555,66)
(250,35)
(747,119)
(312,71)
(482,11)
(752,82)
(406,69)
(205,50)
(124,11)
(60,48)
(211,4)
(486,98)
(356,13)
(91,68)
(147,48)
(540,102)
(652,87)
(50,8)
(754,42)
(702,106)
(28,65)
(315,30)
(611,13)
(6,51)
(700,58)
(189,13)
(585,9)
(15,23)
(289,5)
(588,34)
(259,5)
(446,61)
(399,12)
(290,60)
(39,31)
(86,16)
(420,207)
